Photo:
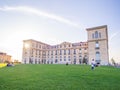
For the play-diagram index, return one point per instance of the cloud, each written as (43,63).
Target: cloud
(40,13)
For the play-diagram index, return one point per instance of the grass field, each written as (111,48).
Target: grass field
(59,77)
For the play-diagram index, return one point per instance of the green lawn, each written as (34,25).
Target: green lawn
(59,77)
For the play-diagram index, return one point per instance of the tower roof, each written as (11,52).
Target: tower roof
(98,27)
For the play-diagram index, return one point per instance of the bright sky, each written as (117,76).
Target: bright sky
(56,21)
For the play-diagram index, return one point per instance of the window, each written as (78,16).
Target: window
(64,52)
(60,46)
(39,61)
(35,61)
(30,60)
(69,45)
(99,35)
(97,54)
(85,56)
(97,45)
(25,52)
(68,58)
(69,51)
(48,52)
(74,61)
(36,45)
(39,46)
(97,57)
(32,44)
(80,56)
(93,35)
(39,52)
(64,58)
(56,60)
(73,45)
(74,51)
(57,46)
(25,60)
(60,56)
(60,52)
(56,52)
(96,34)
(64,45)
(74,56)
(51,52)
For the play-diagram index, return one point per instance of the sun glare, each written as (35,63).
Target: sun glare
(27,45)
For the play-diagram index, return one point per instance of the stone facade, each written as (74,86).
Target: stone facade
(37,52)
(98,44)
(4,57)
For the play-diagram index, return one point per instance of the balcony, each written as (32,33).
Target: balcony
(97,47)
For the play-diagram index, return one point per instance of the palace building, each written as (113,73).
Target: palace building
(96,47)
(4,58)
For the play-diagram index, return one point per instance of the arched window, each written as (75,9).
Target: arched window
(97,57)
(96,34)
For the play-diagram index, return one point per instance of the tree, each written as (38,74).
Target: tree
(113,61)
(18,62)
